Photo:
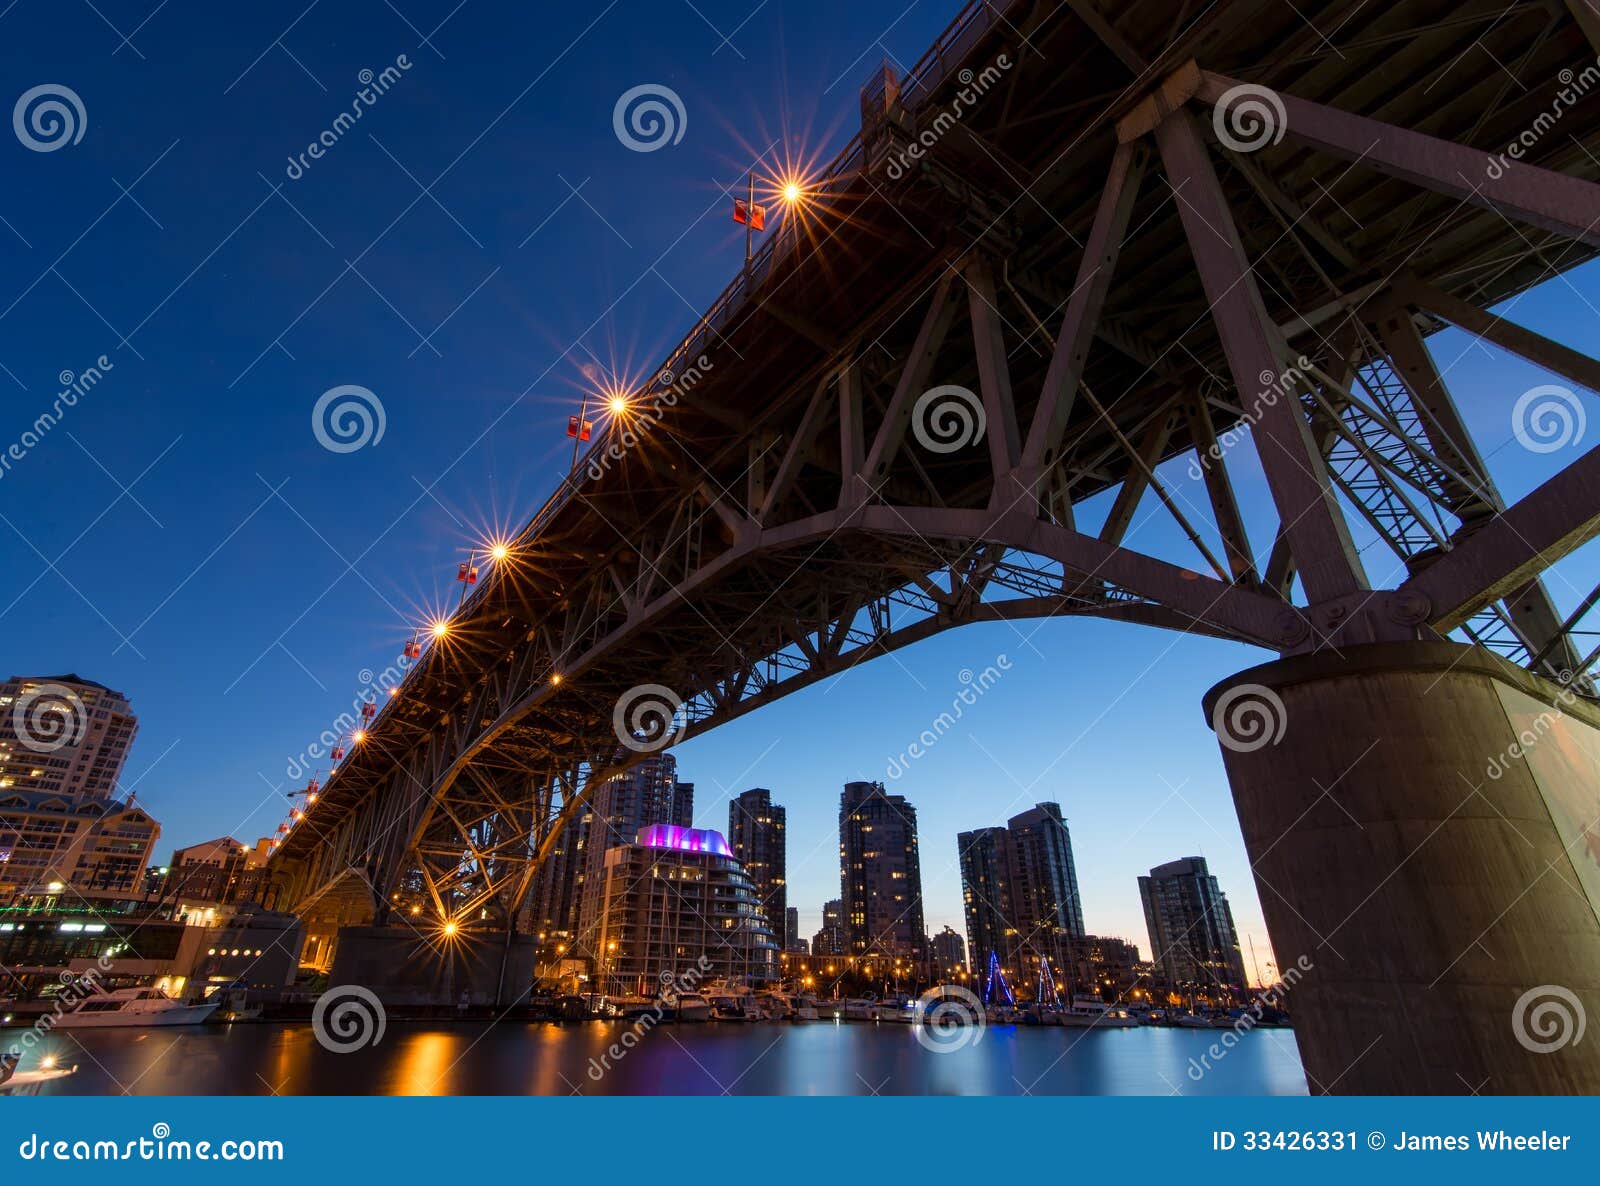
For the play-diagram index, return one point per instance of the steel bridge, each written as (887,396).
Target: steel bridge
(1111,235)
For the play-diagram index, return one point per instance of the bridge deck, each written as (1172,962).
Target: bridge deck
(1018,176)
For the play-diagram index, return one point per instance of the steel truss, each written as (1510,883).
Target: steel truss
(789,514)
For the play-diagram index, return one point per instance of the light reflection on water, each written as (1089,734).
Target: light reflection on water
(822,1058)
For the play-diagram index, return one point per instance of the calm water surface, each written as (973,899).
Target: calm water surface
(819,1058)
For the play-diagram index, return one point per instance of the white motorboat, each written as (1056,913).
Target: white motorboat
(897,1010)
(134,1007)
(859,1010)
(805,1009)
(688,1006)
(15,1082)
(1091,1012)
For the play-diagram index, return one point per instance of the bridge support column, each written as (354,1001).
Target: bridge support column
(1423,820)
(406,968)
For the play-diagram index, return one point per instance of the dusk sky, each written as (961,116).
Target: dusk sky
(479,251)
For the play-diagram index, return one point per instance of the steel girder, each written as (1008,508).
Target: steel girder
(776,512)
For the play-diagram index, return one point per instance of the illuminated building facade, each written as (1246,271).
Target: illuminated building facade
(880,872)
(756,832)
(65,734)
(1192,936)
(72,848)
(1019,889)
(676,901)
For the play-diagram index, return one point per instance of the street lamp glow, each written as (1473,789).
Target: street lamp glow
(359,736)
(499,552)
(618,404)
(450,929)
(792,192)
(440,629)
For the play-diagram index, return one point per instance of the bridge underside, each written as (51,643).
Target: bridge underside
(1115,270)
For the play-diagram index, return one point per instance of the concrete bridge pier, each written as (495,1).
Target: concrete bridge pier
(407,968)
(1423,820)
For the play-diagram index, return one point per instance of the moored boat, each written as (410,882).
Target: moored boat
(134,1007)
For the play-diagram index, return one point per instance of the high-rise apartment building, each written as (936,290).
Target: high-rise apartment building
(1019,888)
(63,833)
(1192,937)
(756,832)
(880,873)
(64,734)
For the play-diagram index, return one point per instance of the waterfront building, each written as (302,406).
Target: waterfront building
(64,734)
(1020,893)
(1106,966)
(1192,936)
(756,832)
(880,873)
(72,848)
(641,797)
(985,860)
(221,871)
(673,902)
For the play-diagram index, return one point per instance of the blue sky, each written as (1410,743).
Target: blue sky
(476,251)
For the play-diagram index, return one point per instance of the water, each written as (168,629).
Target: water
(817,1058)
